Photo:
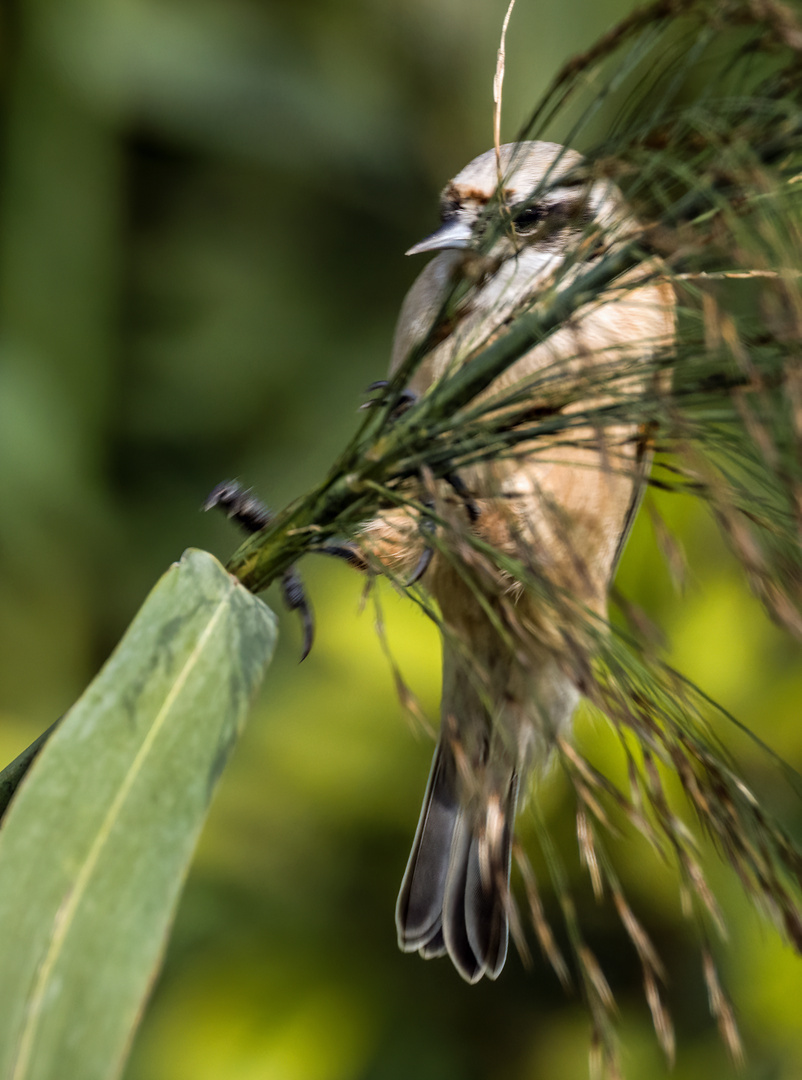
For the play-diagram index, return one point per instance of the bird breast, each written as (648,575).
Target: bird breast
(562,500)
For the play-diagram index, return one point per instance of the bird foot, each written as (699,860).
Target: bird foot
(240,505)
(458,486)
(405,398)
(251,514)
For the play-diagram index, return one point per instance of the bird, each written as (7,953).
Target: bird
(562,506)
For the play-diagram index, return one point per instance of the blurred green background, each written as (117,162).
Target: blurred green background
(204,211)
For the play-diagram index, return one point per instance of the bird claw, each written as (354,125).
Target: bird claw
(294,597)
(426,556)
(458,486)
(404,400)
(347,552)
(423,565)
(240,505)
(251,514)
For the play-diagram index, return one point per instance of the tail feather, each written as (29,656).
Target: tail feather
(435,947)
(455,894)
(487,887)
(455,905)
(419,910)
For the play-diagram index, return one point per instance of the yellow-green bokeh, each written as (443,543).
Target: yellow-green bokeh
(204,210)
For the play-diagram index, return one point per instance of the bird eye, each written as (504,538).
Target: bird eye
(530,216)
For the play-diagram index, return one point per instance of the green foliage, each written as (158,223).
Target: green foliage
(204,212)
(711,156)
(97,842)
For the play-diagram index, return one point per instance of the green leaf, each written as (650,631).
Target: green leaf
(96,844)
(11,777)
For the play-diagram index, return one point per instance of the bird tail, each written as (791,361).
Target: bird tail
(455,894)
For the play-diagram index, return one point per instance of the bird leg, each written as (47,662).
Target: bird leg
(453,479)
(427,525)
(240,505)
(407,398)
(349,553)
(458,486)
(251,514)
(294,596)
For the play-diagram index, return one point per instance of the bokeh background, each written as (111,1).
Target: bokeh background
(205,205)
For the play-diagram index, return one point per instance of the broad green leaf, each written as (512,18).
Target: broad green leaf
(12,775)
(96,844)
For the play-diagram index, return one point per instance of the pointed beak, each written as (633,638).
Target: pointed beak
(454,234)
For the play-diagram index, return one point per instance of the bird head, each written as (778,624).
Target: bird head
(546,198)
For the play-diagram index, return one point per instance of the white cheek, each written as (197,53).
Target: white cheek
(518,277)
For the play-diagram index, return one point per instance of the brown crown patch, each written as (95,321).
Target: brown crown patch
(462,193)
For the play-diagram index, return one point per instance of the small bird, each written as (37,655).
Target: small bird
(563,506)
